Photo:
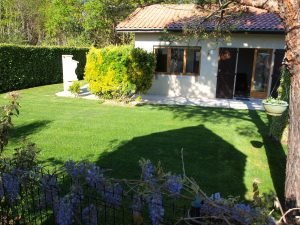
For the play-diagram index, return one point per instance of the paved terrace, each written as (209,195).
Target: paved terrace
(250,104)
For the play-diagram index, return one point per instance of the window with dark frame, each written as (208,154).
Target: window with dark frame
(161,60)
(176,65)
(178,60)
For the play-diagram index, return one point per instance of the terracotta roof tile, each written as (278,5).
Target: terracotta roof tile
(176,16)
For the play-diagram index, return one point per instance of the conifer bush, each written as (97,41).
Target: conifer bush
(119,71)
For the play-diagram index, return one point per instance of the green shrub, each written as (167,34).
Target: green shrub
(118,71)
(75,87)
(6,114)
(27,66)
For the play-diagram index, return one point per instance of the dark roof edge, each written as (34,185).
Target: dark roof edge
(152,30)
(139,29)
(260,31)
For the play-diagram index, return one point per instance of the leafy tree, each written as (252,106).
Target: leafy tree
(64,22)
(21,21)
(101,18)
(10,28)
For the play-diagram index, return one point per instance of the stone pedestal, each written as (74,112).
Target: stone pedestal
(69,74)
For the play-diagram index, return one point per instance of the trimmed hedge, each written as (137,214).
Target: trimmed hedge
(28,66)
(119,71)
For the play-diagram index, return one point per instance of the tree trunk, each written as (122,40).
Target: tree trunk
(292,184)
(292,60)
(289,11)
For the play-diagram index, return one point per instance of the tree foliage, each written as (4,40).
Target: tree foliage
(22,21)
(66,22)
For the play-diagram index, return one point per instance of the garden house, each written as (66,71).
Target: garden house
(245,65)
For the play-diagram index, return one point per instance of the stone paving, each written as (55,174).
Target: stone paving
(251,104)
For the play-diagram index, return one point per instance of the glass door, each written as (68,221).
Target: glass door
(261,73)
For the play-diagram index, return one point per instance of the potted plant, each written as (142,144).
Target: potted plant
(274,107)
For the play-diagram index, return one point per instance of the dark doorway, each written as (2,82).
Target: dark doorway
(244,72)
(226,72)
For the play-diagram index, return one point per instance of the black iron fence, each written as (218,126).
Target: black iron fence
(38,199)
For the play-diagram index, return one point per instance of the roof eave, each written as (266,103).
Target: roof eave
(136,30)
(158,30)
(260,31)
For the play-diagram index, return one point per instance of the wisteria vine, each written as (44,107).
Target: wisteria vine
(148,196)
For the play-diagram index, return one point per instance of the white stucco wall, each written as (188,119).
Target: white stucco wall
(204,85)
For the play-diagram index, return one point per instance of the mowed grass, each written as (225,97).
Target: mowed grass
(224,149)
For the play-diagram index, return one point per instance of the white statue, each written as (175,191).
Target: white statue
(69,67)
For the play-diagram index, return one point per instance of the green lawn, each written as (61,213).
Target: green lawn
(224,150)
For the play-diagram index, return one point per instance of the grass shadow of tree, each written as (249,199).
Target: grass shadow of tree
(22,131)
(275,155)
(214,163)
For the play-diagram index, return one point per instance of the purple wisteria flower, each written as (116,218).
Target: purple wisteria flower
(147,170)
(49,188)
(209,209)
(1,190)
(75,170)
(113,194)
(244,208)
(155,208)
(216,197)
(90,215)
(214,206)
(76,195)
(137,204)
(174,184)
(244,213)
(95,177)
(271,221)
(64,211)
(11,185)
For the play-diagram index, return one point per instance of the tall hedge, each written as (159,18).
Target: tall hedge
(27,66)
(118,71)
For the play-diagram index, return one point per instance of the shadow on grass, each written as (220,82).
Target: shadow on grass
(274,151)
(214,163)
(203,114)
(20,132)
(275,155)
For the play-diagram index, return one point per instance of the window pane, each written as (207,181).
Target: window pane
(176,60)
(262,71)
(161,59)
(192,60)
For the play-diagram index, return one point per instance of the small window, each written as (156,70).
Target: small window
(192,60)
(161,59)
(178,60)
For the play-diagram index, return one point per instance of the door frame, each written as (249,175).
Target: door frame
(235,71)
(259,95)
(264,94)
